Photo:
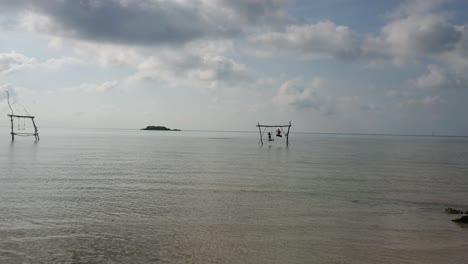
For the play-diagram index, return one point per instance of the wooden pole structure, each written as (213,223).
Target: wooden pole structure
(260,130)
(36,131)
(279,126)
(12,130)
(12,116)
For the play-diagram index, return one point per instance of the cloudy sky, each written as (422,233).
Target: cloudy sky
(327,65)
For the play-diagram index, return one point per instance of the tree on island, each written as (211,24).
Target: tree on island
(161,128)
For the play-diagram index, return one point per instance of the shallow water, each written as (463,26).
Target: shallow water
(121,196)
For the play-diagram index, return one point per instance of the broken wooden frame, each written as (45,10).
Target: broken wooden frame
(286,134)
(19,117)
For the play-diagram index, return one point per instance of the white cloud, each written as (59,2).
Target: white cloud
(420,35)
(105,55)
(94,87)
(417,30)
(207,72)
(323,39)
(434,79)
(303,96)
(298,94)
(13,61)
(437,78)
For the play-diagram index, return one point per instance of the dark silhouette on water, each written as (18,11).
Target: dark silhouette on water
(278,133)
(454,211)
(269,137)
(159,128)
(463,219)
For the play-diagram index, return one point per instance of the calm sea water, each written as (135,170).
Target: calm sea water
(116,196)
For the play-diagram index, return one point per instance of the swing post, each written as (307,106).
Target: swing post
(260,130)
(12,129)
(287,134)
(36,132)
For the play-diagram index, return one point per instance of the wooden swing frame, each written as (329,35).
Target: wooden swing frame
(286,134)
(19,117)
(13,133)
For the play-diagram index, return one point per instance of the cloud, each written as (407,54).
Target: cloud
(396,93)
(431,100)
(437,78)
(457,60)
(12,61)
(417,30)
(462,46)
(94,87)
(299,95)
(420,35)
(323,39)
(207,72)
(145,22)
(414,7)
(303,96)
(427,101)
(105,55)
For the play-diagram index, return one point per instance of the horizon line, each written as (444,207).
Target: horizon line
(253,131)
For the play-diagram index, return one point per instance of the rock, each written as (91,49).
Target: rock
(453,211)
(463,219)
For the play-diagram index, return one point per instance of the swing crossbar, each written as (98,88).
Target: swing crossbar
(23,134)
(273,126)
(21,116)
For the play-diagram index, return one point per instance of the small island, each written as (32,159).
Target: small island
(160,128)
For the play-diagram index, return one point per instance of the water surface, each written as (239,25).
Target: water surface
(123,196)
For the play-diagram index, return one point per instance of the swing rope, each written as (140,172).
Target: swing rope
(19,123)
(282,131)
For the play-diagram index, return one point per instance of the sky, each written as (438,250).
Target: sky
(338,66)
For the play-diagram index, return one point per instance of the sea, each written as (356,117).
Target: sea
(132,196)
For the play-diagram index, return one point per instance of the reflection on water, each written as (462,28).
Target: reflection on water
(196,197)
